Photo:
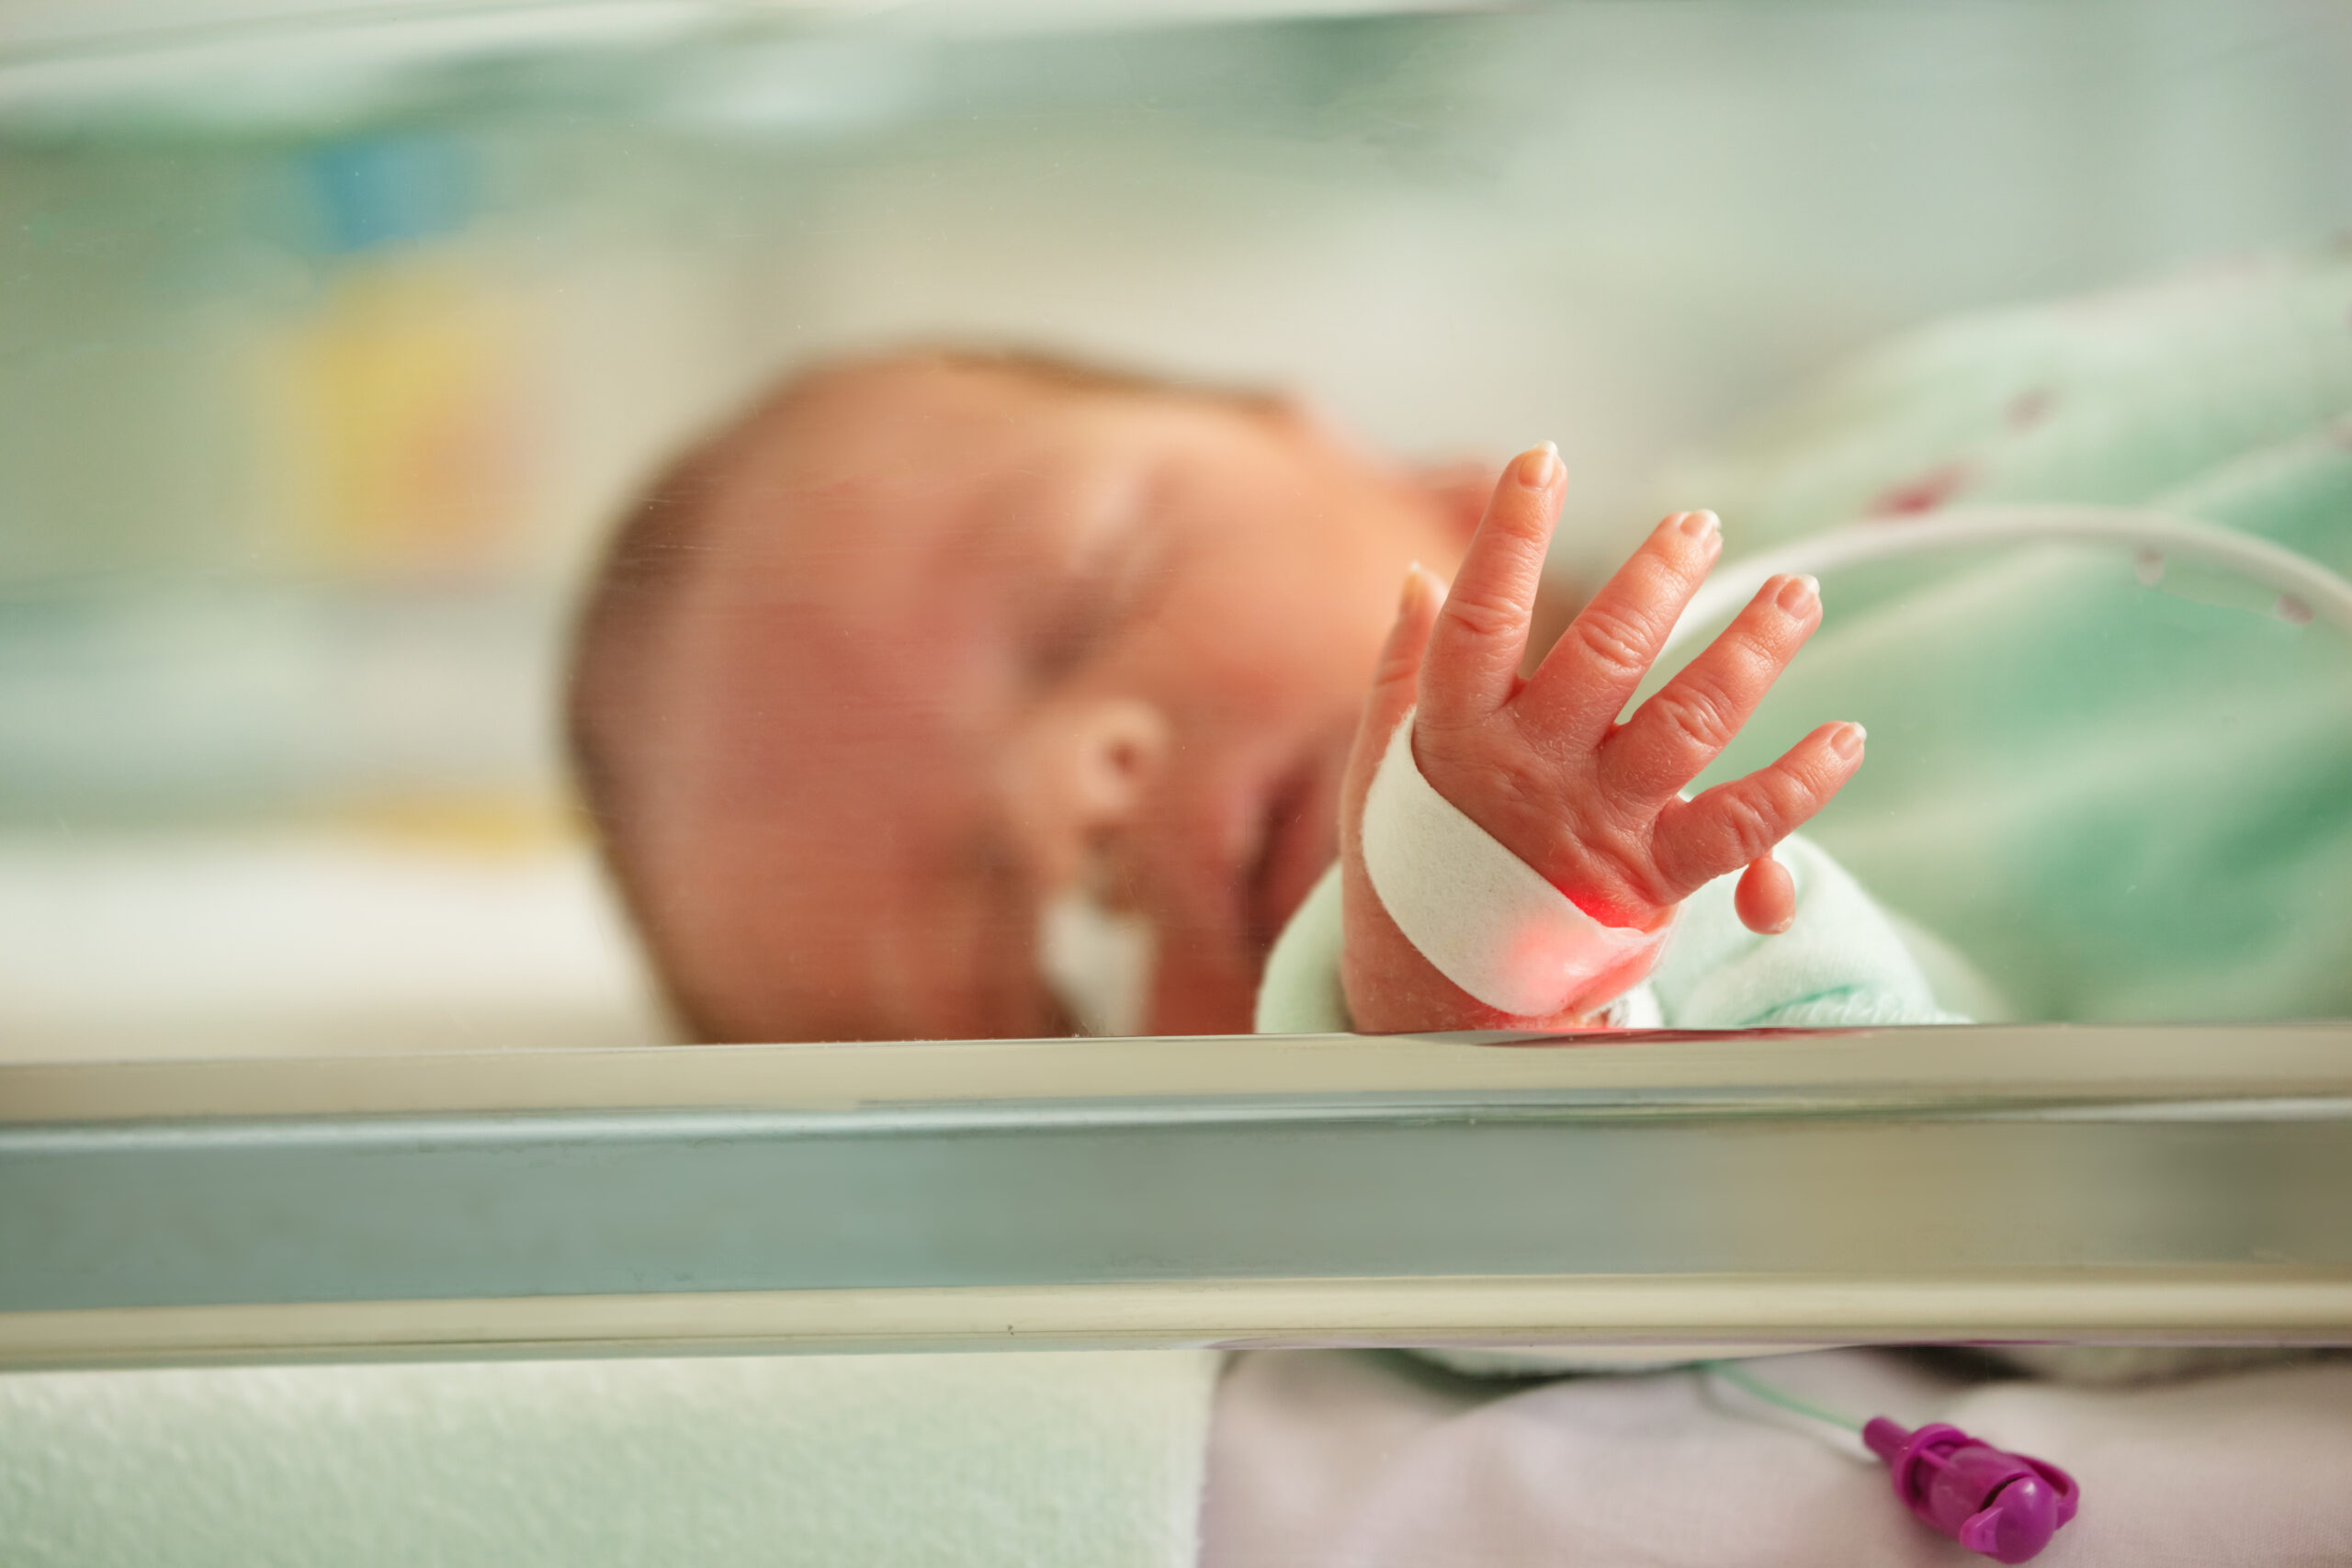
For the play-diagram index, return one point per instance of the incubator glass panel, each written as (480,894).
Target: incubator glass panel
(583,526)
(682,682)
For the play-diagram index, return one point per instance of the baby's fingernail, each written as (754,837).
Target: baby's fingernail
(1798,595)
(1538,467)
(1847,740)
(1700,524)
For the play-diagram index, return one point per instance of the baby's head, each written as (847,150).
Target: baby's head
(918,644)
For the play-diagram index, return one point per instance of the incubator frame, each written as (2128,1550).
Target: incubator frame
(2064,1183)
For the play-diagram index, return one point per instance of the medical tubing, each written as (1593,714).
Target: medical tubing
(1771,1395)
(1997,1504)
(2299,581)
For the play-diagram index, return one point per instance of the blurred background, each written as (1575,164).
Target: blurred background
(332,335)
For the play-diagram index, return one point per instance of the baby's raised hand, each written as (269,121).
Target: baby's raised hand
(1542,764)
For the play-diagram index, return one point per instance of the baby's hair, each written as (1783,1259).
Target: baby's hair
(615,660)
(1082,375)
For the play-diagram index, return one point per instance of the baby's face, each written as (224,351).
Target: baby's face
(958,640)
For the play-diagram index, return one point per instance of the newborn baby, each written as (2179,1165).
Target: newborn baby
(922,648)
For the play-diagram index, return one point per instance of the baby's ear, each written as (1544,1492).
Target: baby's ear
(1461,489)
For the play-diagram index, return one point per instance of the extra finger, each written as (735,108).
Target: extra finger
(1481,633)
(1395,678)
(1591,672)
(1679,732)
(1737,824)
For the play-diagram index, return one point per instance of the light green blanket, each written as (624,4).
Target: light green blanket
(2120,804)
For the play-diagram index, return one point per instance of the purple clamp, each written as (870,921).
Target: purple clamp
(2003,1505)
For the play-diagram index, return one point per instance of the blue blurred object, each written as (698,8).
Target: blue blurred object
(383,191)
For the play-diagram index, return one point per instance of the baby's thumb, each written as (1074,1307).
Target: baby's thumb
(1395,680)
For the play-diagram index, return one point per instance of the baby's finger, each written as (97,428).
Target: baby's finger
(1481,634)
(1592,670)
(1737,824)
(1395,678)
(1766,899)
(1679,732)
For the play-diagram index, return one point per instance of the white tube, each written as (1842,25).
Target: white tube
(2305,587)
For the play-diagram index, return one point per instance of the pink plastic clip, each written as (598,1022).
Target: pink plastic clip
(2006,1505)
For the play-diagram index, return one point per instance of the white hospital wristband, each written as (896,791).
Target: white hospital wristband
(1484,918)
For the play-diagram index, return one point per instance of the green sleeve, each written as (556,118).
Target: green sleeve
(1844,962)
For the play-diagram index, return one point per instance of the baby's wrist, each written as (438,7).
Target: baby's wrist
(1389,987)
(1482,917)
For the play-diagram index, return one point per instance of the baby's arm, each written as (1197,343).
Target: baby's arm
(1542,764)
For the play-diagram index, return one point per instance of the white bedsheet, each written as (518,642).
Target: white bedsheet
(1343,1459)
(306,942)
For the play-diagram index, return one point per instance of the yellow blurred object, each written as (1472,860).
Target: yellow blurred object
(406,423)
(498,825)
